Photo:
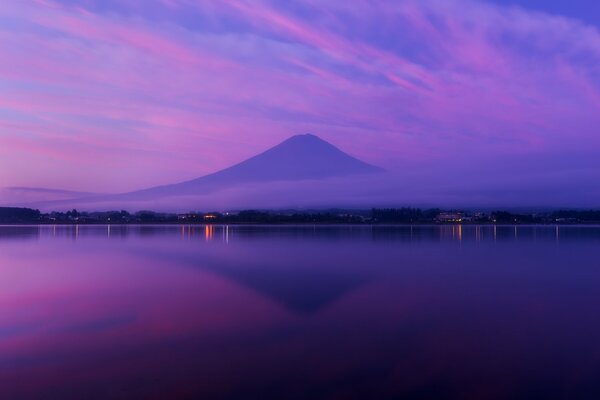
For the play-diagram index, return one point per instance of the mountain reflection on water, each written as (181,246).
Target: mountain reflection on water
(153,312)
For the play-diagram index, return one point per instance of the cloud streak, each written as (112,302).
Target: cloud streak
(133,96)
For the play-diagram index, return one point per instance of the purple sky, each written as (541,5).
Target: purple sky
(115,95)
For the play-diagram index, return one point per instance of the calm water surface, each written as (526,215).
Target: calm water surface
(126,312)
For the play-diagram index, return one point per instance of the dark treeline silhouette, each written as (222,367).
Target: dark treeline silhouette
(505,217)
(585,215)
(13,215)
(275,217)
(406,215)
(29,216)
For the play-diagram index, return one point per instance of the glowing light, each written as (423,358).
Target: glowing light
(208,232)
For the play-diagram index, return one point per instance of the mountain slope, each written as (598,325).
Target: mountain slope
(302,170)
(300,157)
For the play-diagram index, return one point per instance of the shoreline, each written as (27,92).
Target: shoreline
(307,224)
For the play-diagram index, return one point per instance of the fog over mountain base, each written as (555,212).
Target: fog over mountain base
(381,190)
(304,171)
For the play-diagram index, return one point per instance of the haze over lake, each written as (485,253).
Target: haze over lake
(228,312)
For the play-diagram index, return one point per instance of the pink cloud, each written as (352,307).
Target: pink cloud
(133,89)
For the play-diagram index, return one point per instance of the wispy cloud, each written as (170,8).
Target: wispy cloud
(178,88)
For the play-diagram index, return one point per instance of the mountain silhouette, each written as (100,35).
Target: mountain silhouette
(302,170)
(301,157)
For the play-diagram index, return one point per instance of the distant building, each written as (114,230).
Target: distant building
(450,217)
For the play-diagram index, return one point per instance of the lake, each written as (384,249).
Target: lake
(299,312)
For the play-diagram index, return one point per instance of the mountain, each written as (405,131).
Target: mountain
(301,157)
(303,170)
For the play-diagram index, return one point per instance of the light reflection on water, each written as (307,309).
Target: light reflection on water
(445,233)
(210,311)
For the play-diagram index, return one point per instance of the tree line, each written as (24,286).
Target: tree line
(403,215)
